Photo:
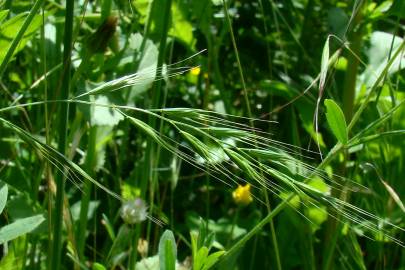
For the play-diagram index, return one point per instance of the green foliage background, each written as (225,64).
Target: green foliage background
(301,99)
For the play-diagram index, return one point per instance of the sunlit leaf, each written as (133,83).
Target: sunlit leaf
(324,64)
(167,251)
(3,195)
(336,121)
(394,196)
(19,228)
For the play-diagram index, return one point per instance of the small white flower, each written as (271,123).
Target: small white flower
(134,211)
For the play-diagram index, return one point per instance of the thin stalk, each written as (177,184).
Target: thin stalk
(152,154)
(137,58)
(62,129)
(133,254)
(48,177)
(257,228)
(213,57)
(353,62)
(266,32)
(105,9)
(253,257)
(349,90)
(19,36)
(91,158)
(242,78)
(84,64)
(247,104)
(234,222)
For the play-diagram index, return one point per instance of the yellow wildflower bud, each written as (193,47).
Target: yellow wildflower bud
(242,195)
(195,71)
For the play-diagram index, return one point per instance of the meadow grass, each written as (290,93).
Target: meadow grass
(133,122)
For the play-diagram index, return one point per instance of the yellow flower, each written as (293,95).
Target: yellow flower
(195,71)
(242,195)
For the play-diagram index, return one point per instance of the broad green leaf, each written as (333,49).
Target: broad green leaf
(98,266)
(75,209)
(13,258)
(181,28)
(3,15)
(104,116)
(147,66)
(10,28)
(398,8)
(381,10)
(378,52)
(167,251)
(194,243)
(212,259)
(121,242)
(200,257)
(142,6)
(336,121)
(19,228)
(3,195)
(337,21)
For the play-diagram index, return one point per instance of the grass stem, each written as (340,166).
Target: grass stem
(249,111)
(62,128)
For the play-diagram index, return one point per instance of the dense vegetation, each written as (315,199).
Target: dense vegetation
(198,134)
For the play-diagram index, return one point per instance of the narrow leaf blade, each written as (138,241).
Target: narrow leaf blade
(324,64)
(3,195)
(394,196)
(167,251)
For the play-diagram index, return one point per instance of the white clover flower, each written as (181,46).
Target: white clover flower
(134,211)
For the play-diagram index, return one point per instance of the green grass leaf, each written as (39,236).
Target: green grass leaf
(167,251)
(394,195)
(212,259)
(3,15)
(324,64)
(98,266)
(336,121)
(3,195)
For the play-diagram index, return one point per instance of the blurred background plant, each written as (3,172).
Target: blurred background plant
(188,134)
